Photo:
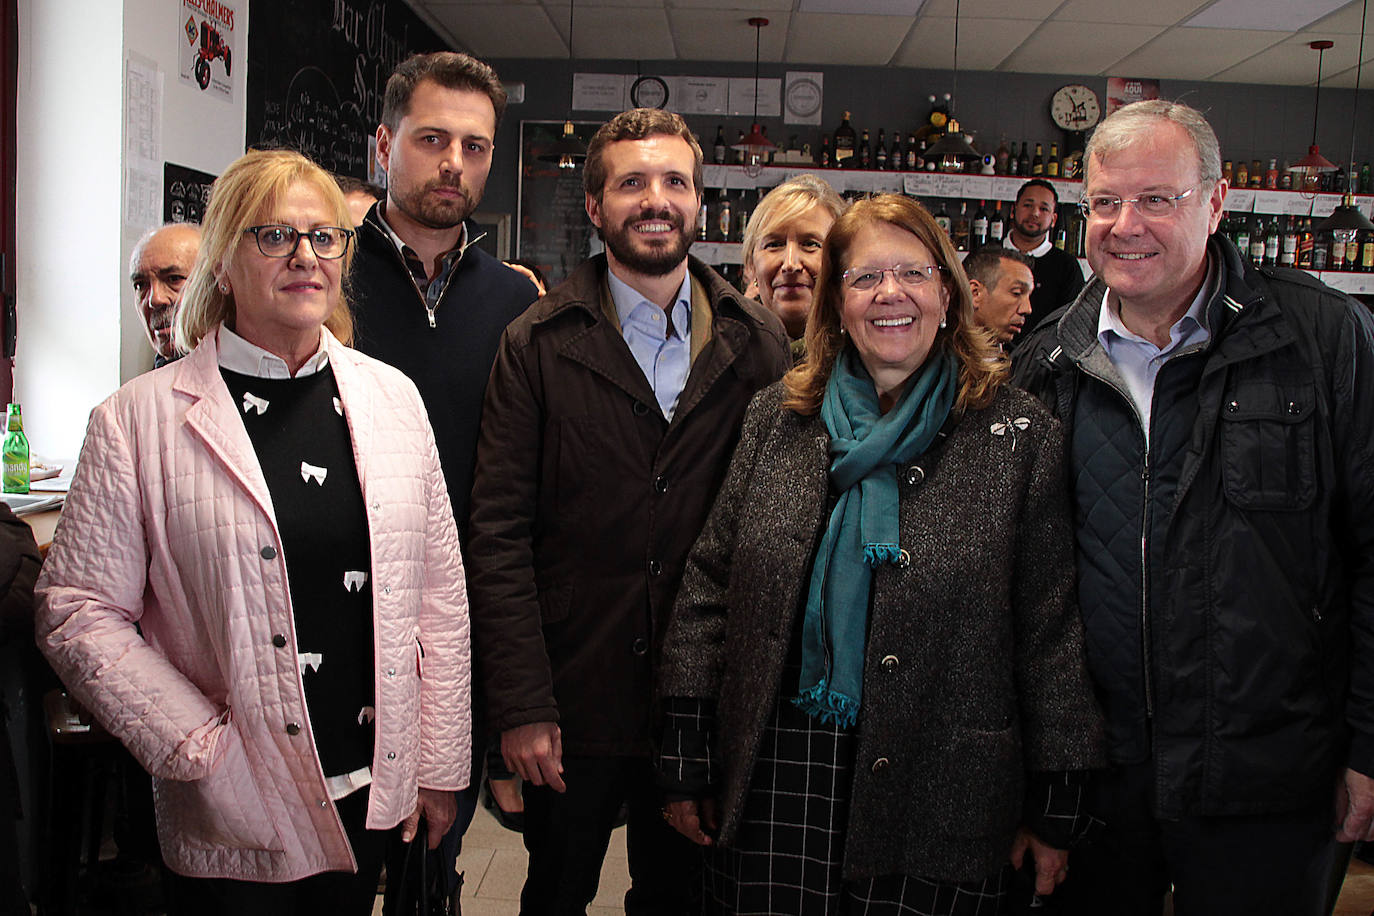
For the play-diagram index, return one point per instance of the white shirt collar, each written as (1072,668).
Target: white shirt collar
(1039,251)
(238,355)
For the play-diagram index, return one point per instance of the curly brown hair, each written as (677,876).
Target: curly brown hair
(982,365)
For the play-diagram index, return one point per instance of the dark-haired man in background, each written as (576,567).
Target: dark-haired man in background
(1058,278)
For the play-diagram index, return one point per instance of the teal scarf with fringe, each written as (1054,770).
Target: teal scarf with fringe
(866,446)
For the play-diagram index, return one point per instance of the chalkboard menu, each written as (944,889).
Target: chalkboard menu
(317,72)
(554,232)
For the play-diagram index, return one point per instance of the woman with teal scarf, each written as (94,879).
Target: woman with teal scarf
(873,683)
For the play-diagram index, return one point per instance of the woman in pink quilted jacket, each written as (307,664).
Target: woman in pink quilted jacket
(256,583)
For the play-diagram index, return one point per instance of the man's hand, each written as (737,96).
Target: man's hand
(439,808)
(1354,807)
(534,752)
(1051,865)
(692,819)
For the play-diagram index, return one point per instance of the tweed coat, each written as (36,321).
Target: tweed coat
(164,606)
(973,671)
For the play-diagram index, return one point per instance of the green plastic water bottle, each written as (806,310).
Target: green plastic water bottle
(16,453)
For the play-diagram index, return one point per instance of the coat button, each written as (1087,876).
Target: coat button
(293,728)
(904,560)
(390,755)
(655,567)
(640,646)
(323,803)
(269,552)
(279,641)
(1317,614)
(1293,408)
(640,408)
(391,672)
(890,663)
(880,765)
(1233,407)
(914,475)
(386,589)
(661,484)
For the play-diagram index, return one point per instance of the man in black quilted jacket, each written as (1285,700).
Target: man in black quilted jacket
(1220,420)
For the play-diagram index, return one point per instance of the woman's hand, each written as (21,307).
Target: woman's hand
(439,808)
(692,819)
(1051,865)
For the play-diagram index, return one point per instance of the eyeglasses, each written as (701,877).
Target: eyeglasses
(1150,206)
(912,276)
(328,242)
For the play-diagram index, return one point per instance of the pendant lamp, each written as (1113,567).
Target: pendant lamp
(1347,217)
(1314,162)
(755,145)
(567,151)
(953,148)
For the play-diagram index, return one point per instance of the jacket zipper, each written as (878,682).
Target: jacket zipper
(429,309)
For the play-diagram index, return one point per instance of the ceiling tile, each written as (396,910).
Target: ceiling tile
(1077,47)
(1345,21)
(1293,63)
(998,9)
(605,32)
(983,43)
(501,30)
(1155,12)
(726,35)
(822,38)
(748,7)
(1192,54)
(1275,15)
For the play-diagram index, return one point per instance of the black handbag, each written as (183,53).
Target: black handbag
(423,891)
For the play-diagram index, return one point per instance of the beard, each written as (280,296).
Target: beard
(436,212)
(650,257)
(1028,229)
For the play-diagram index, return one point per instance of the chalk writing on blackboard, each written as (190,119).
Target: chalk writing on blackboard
(185,192)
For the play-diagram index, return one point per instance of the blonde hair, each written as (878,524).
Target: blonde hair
(786,202)
(241,197)
(982,365)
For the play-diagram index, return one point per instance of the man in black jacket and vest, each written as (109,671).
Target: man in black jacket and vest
(1219,418)
(611,415)
(425,298)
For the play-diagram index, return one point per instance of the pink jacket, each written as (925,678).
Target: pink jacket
(169,525)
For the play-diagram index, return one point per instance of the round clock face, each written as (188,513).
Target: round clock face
(1075,107)
(649,92)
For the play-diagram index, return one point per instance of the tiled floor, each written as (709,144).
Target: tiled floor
(493,866)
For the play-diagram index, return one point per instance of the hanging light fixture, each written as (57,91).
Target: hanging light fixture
(1314,163)
(1347,217)
(755,145)
(567,151)
(953,148)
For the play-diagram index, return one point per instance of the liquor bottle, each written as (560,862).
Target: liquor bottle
(724,219)
(739,149)
(1003,158)
(1037,168)
(1305,244)
(913,153)
(1257,241)
(1367,251)
(15,453)
(942,219)
(742,214)
(1052,164)
(865,151)
(1226,173)
(1271,175)
(1335,259)
(880,151)
(845,141)
(1286,180)
(997,230)
(1256,173)
(1352,251)
(1061,237)
(718,152)
(702,219)
(979,231)
(894,155)
(1340,181)
(1023,161)
(1272,243)
(1365,178)
(961,228)
(1288,254)
(1240,234)
(827,161)
(1242,174)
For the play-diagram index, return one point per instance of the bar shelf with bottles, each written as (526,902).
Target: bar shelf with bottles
(1274,227)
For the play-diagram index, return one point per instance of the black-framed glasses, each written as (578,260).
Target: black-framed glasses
(1150,206)
(276,241)
(912,276)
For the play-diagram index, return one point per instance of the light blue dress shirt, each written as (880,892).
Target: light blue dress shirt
(1139,360)
(663,353)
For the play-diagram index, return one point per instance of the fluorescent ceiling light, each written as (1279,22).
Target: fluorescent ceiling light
(1264,15)
(862,7)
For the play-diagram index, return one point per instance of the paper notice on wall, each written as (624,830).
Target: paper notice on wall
(803,99)
(742,97)
(600,91)
(702,95)
(142,142)
(205,34)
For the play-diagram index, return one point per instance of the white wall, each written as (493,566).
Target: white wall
(79,336)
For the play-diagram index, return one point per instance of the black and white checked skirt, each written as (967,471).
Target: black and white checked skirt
(788,852)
